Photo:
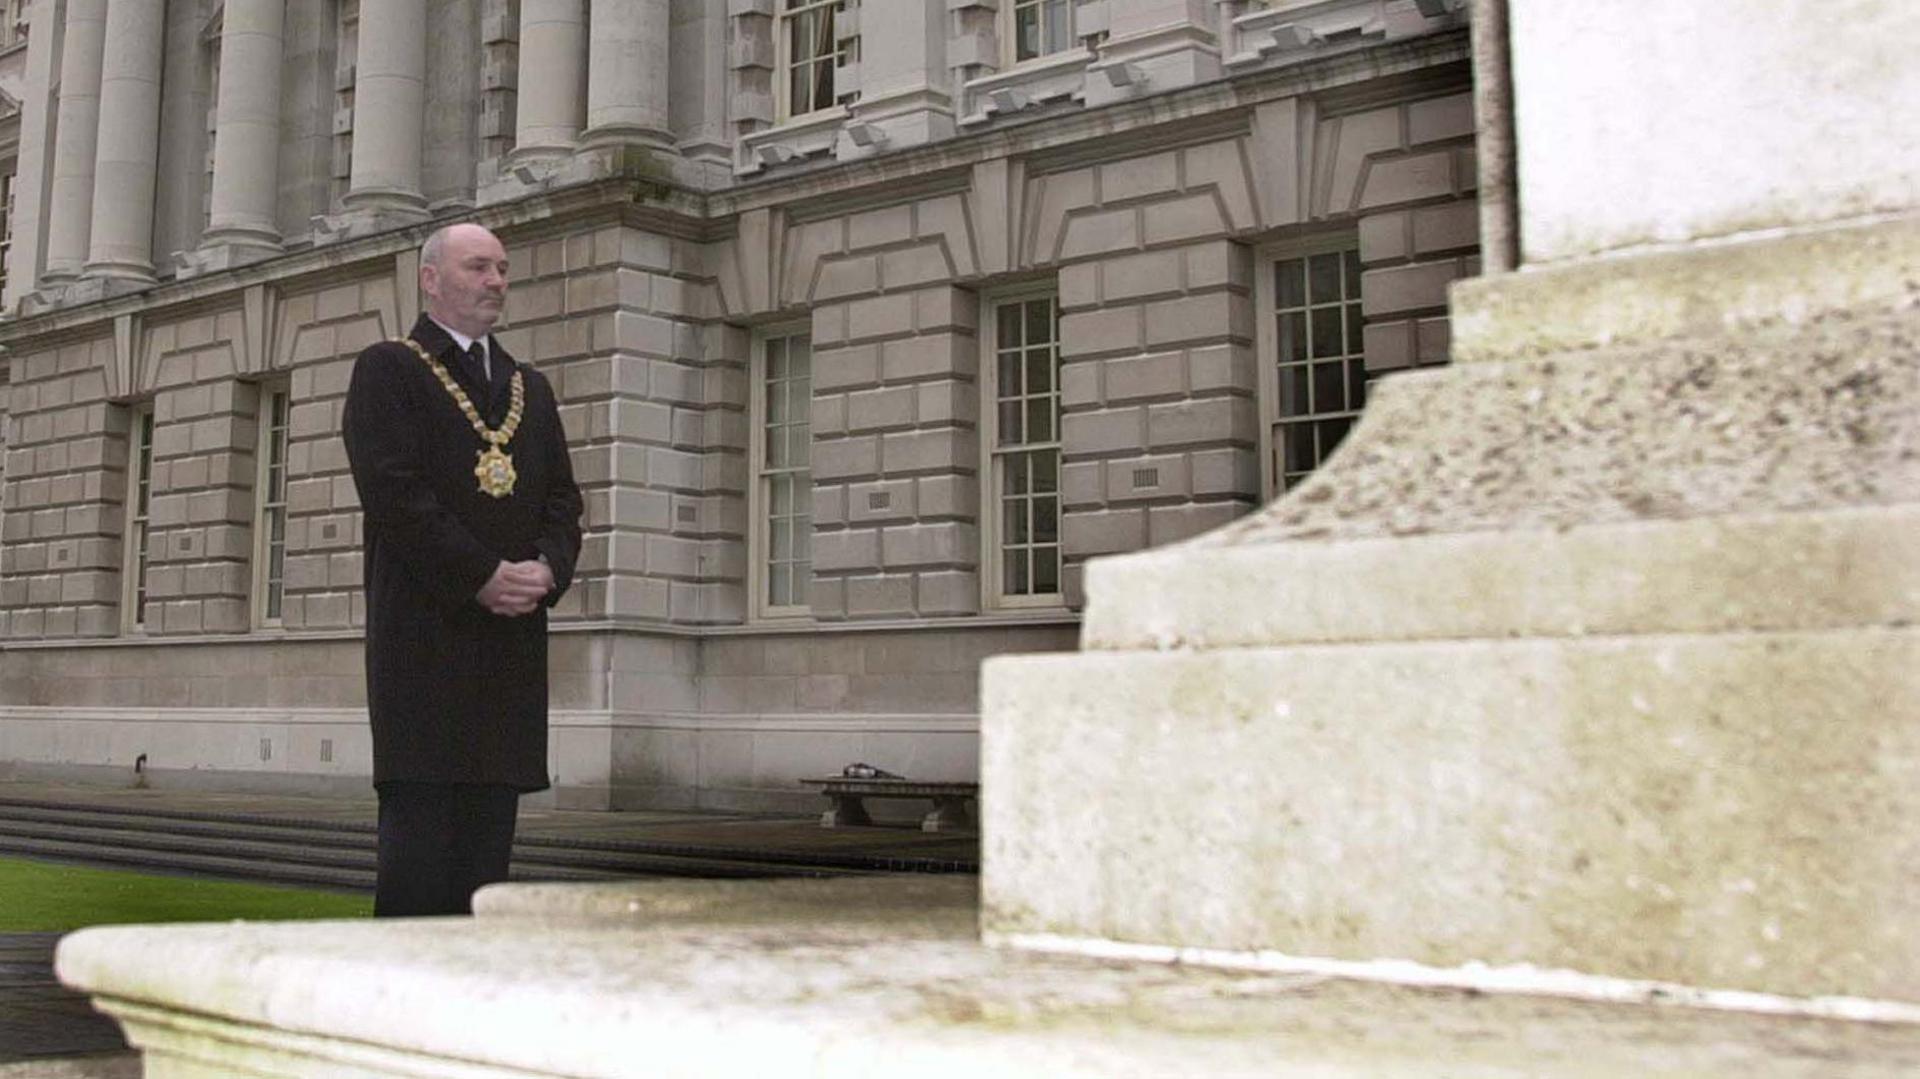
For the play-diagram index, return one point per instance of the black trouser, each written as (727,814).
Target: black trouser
(439,842)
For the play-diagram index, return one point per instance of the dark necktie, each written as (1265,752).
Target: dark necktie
(476,363)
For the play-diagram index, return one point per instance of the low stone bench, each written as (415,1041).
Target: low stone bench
(846,796)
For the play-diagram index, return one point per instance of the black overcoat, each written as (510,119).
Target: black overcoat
(456,694)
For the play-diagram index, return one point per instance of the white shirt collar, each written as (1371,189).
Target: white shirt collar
(465,343)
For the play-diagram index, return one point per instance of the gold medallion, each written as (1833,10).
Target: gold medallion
(495,468)
(495,472)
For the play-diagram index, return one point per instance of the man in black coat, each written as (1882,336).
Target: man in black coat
(472,526)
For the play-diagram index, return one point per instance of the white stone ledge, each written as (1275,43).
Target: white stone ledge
(1837,568)
(845,979)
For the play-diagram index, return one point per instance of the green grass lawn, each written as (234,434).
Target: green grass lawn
(38,897)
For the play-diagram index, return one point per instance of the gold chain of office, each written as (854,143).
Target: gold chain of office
(494,470)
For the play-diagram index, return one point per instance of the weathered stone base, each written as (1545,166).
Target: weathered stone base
(1598,659)
(1732,810)
(848,978)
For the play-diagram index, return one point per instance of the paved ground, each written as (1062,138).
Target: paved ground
(49,1033)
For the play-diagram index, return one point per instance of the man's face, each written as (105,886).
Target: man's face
(467,287)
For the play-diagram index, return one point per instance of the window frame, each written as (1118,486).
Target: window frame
(1267,343)
(783,56)
(1008,28)
(993,595)
(136,559)
(759,520)
(14,29)
(264,505)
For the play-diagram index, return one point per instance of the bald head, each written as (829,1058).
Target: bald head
(436,246)
(463,274)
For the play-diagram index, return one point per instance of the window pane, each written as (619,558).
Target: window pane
(781,540)
(1046,469)
(1040,371)
(1039,321)
(1007,317)
(1026,33)
(1013,517)
(1293,390)
(1040,419)
(1356,339)
(1323,278)
(779,585)
(777,358)
(1296,441)
(1293,336)
(803,540)
(1015,577)
(1014,475)
(823,83)
(1009,373)
(1046,520)
(1356,383)
(1291,276)
(1010,430)
(1328,392)
(1056,13)
(799,100)
(1046,569)
(1326,332)
(797,447)
(1331,432)
(776,401)
(782,490)
(1353,273)
(799,356)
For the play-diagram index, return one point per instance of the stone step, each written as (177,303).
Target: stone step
(322,854)
(148,859)
(646,855)
(857,980)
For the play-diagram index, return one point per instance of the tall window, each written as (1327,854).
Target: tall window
(811,49)
(139,494)
(1318,374)
(785,487)
(1040,28)
(6,224)
(1024,413)
(270,516)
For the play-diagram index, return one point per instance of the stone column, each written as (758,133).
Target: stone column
(552,47)
(627,74)
(126,159)
(389,107)
(69,217)
(246,148)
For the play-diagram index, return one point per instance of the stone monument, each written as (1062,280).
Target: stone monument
(1585,669)
(1593,652)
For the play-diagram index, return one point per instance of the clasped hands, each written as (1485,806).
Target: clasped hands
(516,588)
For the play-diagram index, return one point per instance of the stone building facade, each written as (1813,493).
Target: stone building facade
(872,322)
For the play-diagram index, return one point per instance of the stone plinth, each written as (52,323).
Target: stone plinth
(1593,652)
(845,978)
